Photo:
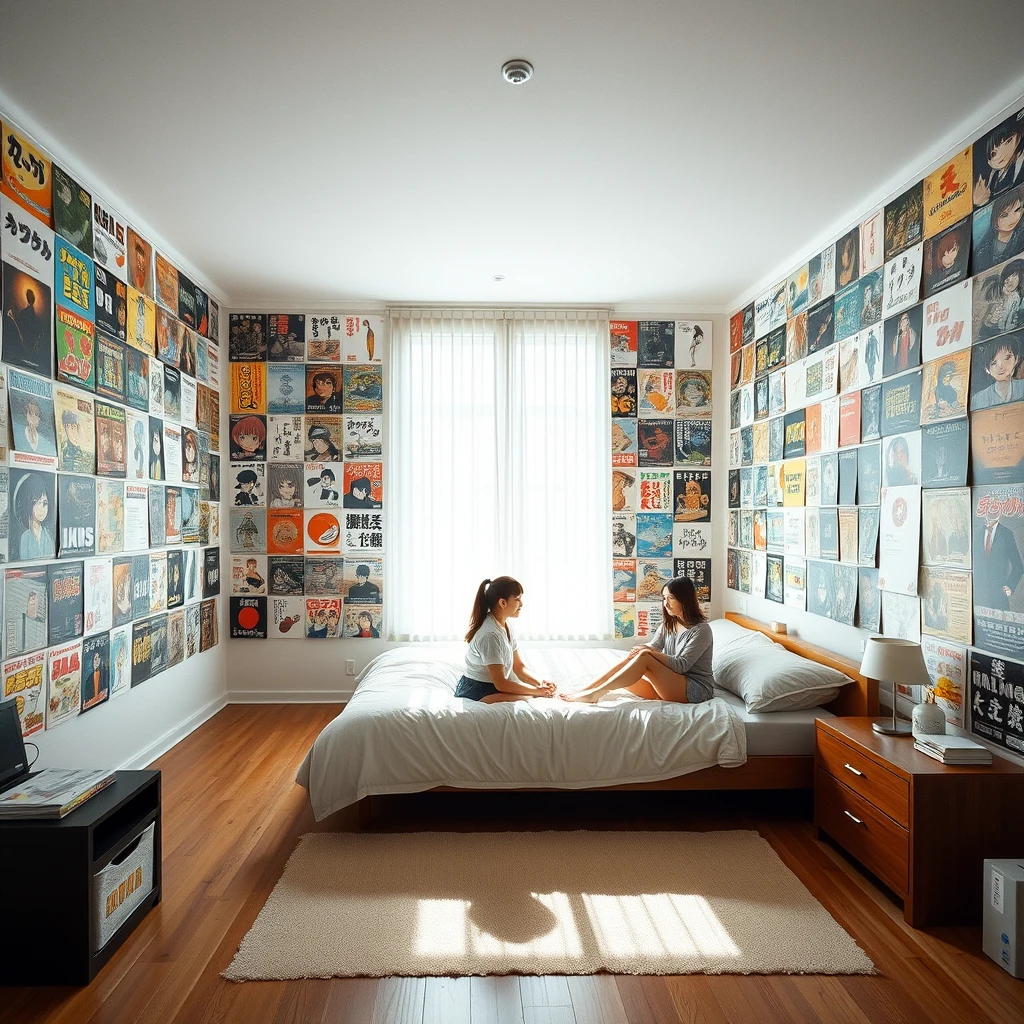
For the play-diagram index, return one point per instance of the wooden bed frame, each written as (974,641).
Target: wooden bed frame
(784,771)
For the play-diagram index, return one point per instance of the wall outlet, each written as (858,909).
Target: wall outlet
(350,667)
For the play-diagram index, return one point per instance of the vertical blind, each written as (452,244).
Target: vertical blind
(498,441)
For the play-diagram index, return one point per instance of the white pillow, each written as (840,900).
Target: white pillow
(726,633)
(770,678)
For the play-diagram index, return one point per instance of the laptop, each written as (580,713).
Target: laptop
(13,759)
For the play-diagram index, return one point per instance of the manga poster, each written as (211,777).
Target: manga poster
(285,576)
(73,284)
(248,437)
(848,258)
(248,618)
(359,340)
(286,337)
(997,444)
(108,233)
(361,620)
(33,507)
(248,530)
(25,609)
(24,680)
(998,546)
(122,589)
(248,388)
(363,580)
(249,574)
(247,337)
(286,384)
(868,518)
(286,616)
(110,512)
(903,280)
(946,257)
(656,392)
(323,618)
(140,328)
(322,484)
(32,420)
(76,430)
(693,344)
(997,371)
(66,593)
(656,344)
(899,539)
(111,305)
(362,389)
(323,337)
(249,483)
(654,442)
(904,221)
(120,660)
(902,341)
(998,300)
(190,449)
(654,493)
(901,403)
(142,651)
(947,322)
(946,608)
(624,580)
(95,670)
(110,440)
(691,493)
(999,159)
(944,387)
(99,595)
(110,368)
(363,532)
(947,193)
(363,434)
(869,600)
(175,638)
(997,230)
(322,391)
(997,700)
(76,504)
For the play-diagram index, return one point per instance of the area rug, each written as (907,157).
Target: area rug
(454,904)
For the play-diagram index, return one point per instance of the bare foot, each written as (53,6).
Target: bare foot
(580,697)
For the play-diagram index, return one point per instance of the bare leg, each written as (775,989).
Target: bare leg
(667,685)
(500,698)
(601,679)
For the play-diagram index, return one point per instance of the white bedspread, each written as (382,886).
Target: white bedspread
(404,731)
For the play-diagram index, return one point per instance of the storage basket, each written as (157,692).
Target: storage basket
(121,886)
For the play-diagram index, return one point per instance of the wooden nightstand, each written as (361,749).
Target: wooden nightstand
(922,827)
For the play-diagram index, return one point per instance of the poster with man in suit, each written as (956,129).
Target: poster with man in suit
(999,568)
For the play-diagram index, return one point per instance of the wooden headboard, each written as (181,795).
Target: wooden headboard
(856,699)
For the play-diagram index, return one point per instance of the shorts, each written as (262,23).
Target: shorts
(473,689)
(696,692)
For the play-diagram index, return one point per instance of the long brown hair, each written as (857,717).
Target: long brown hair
(683,590)
(488,594)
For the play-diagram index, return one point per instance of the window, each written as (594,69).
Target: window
(498,441)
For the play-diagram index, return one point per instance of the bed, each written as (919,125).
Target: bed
(404,731)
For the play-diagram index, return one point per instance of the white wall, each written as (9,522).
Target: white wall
(133,729)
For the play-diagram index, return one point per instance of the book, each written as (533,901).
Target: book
(53,792)
(953,749)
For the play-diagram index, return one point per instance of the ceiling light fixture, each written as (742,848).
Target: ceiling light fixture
(515,72)
(497,277)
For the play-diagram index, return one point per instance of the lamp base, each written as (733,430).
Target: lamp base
(888,728)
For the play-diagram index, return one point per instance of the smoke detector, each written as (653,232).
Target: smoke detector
(515,72)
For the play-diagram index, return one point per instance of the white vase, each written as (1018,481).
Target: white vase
(927,720)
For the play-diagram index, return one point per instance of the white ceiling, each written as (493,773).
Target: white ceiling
(665,152)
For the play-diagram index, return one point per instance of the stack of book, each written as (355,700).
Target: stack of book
(953,749)
(53,793)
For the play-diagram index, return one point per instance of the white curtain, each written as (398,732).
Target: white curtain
(498,464)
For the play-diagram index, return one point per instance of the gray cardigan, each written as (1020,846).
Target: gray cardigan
(689,651)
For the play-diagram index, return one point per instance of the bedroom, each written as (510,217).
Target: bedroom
(216,103)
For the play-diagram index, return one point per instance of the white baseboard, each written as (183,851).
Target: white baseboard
(173,736)
(289,696)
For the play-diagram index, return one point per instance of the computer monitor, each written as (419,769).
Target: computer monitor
(13,759)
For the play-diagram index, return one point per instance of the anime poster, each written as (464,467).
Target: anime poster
(998,231)
(249,574)
(249,483)
(998,300)
(110,440)
(109,516)
(190,462)
(99,595)
(66,593)
(997,372)
(76,429)
(869,603)
(122,590)
(901,459)
(998,528)
(947,193)
(899,539)
(946,607)
(947,322)
(193,629)
(999,159)
(119,660)
(25,610)
(32,420)
(903,280)
(136,379)
(111,305)
(997,710)
(247,337)
(323,618)
(901,403)
(248,618)
(362,436)
(285,576)
(360,336)
(848,259)
(322,484)
(657,392)
(904,221)
(248,437)
(868,474)
(868,518)
(142,651)
(654,442)
(902,341)
(77,515)
(362,389)
(286,337)
(361,620)
(157,516)
(624,580)
(24,681)
(691,492)
(110,368)
(33,507)
(820,332)
(944,388)
(945,258)
(997,444)
(286,617)
(186,308)
(285,485)
(94,668)
(364,580)
(140,329)
(324,333)
(656,344)
(848,467)
(72,210)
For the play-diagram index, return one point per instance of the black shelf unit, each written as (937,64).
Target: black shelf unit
(46,872)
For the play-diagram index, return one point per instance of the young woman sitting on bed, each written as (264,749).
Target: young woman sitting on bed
(494,670)
(674,665)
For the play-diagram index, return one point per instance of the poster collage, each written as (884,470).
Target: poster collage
(109,472)
(876,447)
(660,465)
(306,481)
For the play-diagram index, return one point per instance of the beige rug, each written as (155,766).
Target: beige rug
(451,904)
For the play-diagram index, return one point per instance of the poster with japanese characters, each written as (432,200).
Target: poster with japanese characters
(997,700)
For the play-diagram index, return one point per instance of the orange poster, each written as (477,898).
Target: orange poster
(248,387)
(27,174)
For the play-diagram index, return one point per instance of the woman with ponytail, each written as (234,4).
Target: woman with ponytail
(674,665)
(494,670)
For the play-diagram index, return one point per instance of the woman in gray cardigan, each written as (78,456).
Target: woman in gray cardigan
(674,665)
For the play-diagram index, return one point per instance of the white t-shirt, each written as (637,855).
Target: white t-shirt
(491,646)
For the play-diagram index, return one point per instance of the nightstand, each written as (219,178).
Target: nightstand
(922,827)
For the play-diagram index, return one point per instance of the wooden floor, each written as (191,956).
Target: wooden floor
(232,815)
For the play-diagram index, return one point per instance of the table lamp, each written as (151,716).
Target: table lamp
(894,661)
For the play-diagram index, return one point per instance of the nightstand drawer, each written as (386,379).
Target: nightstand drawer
(870,836)
(885,790)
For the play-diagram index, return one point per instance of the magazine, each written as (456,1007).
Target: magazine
(53,793)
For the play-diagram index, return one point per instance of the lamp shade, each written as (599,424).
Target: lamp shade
(894,661)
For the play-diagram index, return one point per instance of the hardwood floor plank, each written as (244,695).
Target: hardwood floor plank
(544,990)
(596,999)
(447,1001)
(693,999)
(349,1001)
(646,1003)
(399,1001)
(496,1000)
(549,1015)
